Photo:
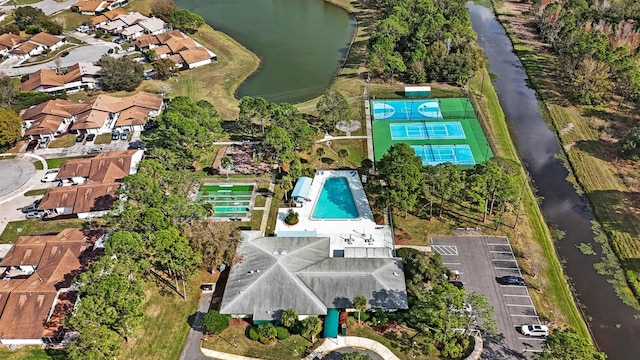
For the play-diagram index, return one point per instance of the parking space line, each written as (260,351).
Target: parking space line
(503,268)
(500,252)
(503,260)
(445,249)
(498,244)
(532,350)
(515,295)
(520,315)
(520,305)
(532,338)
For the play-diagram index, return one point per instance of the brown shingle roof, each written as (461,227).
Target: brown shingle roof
(90,5)
(95,197)
(47,124)
(58,107)
(10,40)
(98,20)
(75,168)
(177,45)
(170,34)
(26,303)
(112,14)
(24,48)
(91,119)
(133,116)
(145,40)
(59,197)
(46,39)
(194,55)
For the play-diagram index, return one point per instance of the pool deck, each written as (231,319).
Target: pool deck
(362,236)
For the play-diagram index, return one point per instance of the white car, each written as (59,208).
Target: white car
(50,175)
(535,330)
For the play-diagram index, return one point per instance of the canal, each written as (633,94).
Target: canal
(612,323)
(301,43)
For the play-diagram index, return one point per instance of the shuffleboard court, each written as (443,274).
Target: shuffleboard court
(426,130)
(437,154)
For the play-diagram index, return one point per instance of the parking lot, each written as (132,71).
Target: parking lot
(480,260)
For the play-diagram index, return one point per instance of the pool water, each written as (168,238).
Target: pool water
(335,201)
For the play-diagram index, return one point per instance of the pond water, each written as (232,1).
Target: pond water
(612,323)
(301,43)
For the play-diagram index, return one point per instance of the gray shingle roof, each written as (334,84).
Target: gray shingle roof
(275,274)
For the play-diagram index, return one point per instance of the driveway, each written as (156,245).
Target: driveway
(191,349)
(47,6)
(82,149)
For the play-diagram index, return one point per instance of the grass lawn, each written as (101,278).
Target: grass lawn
(71,20)
(57,162)
(15,229)
(30,353)
(256,220)
(35,192)
(63,141)
(166,320)
(102,139)
(233,340)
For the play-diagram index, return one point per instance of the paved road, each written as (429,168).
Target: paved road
(80,149)
(90,53)
(48,6)
(191,349)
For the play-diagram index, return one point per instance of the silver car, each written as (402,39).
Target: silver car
(34,215)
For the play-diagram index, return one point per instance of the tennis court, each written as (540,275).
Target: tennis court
(228,200)
(447,127)
(426,130)
(438,154)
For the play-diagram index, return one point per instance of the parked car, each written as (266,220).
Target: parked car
(50,175)
(95,151)
(31,207)
(535,330)
(80,138)
(457,284)
(511,280)
(44,142)
(91,137)
(115,135)
(65,182)
(34,215)
(137,145)
(64,53)
(125,134)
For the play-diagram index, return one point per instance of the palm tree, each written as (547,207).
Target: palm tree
(361,303)
(286,184)
(312,327)
(226,164)
(289,318)
(320,153)
(343,154)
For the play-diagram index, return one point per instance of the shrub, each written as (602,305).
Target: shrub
(298,328)
(351,321)
(32,29)
(267,333)
(75,9)
(214,323)
(292,218)
(282,333)
(253,334)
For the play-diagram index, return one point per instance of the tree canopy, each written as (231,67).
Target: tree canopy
(163,9)
(332,107)
(118,74)
(186,21)
(566,344)
(10,128)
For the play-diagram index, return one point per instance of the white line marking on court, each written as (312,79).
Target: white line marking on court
(518,315)
(516,305)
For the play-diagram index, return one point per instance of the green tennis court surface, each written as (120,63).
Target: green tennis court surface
(453,134)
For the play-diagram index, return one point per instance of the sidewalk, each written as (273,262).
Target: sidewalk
(330,345)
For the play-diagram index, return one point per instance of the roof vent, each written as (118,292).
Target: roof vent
(258,270)
(250,272)
(283,252)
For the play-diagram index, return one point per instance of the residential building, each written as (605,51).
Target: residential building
(181,49)
(106,16)
(50,42)
(35,292)
(27,49)
(8,41)
(91,7)
(276,274)
(77,77)
(50,118)
(98,180)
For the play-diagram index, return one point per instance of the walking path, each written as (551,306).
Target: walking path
(330,345)
(267,205)
(191,349)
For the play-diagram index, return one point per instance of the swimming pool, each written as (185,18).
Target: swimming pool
(335,201)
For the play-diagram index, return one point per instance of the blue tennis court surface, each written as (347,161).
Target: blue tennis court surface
(406,110)
(437,154)
(426,130)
